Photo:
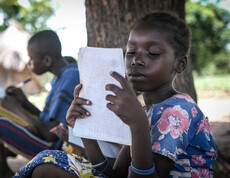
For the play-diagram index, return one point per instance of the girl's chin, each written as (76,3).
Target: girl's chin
(137,87)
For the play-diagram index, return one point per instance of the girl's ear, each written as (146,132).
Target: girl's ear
(181,64)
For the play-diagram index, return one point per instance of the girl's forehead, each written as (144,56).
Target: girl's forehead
(148,29)
(148,33)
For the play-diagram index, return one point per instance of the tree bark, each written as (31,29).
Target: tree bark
(109,22)
(108,25)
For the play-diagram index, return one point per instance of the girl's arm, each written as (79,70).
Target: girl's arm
(96,157)
(126,106)
(76,111)
(142,156)
(93,151)
(123,160)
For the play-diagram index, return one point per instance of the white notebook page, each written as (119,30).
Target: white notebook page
(95,65)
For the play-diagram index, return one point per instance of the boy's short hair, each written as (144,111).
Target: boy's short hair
(48,43)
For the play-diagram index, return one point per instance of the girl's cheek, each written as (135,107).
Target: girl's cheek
(127,62)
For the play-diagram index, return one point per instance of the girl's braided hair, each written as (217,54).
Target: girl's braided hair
(179,35)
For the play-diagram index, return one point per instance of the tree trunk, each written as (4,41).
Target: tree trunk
(108,25)
(109,22)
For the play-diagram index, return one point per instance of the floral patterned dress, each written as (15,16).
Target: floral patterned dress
(74,164)
(181,132)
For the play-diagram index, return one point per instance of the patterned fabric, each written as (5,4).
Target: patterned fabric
(181,132)
(73,164)
(16,137)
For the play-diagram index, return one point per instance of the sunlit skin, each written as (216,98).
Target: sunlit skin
(150,63)
(36,64)
(42,64)
(15,97)
(150,68)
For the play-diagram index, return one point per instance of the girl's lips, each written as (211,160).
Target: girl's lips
(135,76)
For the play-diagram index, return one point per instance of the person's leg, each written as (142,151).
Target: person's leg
(58,159)
(21,140)
(51,171)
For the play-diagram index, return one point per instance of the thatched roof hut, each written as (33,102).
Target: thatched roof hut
(13,59)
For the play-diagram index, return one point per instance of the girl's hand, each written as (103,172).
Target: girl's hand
(76,110)
(125,103)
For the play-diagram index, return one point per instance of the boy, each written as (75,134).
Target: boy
(44,49)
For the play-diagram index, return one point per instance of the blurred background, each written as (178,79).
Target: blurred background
(208,20)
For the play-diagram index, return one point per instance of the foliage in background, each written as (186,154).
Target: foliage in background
(211,33)
(212,83)
(32,16)
(209,24)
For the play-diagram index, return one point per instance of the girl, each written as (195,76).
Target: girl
(171,137)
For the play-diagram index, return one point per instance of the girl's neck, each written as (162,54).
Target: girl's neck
(158,95)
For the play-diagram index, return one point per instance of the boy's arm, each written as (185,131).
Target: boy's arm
(31,108)
(20,97)
(42,128)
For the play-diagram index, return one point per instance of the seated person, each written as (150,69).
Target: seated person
(44,49)
(171,137)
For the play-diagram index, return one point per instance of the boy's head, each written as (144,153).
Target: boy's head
(44,47)
(178,34)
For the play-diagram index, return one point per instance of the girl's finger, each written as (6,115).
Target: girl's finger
(113,88)
(76,115)
(110,98)
(78,109)
(80,101)
(77,90)
(71,122)
(120,79)
(111,107)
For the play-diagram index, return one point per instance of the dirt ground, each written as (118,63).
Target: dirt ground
(216,106)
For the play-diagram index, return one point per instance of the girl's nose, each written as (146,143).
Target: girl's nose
(137,61)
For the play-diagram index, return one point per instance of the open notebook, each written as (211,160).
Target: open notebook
(95,65)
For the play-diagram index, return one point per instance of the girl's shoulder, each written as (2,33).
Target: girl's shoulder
(182,99)
(179,104)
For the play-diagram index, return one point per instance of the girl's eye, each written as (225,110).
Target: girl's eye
(154,54)
(129,53)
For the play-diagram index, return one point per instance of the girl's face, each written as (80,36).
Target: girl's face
(150,60)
